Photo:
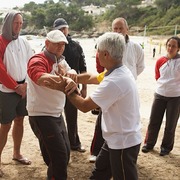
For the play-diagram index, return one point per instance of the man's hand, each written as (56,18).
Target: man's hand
(72,74)
(64,84)
(71,86)
(54,84)
(61,70)
(83,91)
(21,90)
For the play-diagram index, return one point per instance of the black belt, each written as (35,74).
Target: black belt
(21,82)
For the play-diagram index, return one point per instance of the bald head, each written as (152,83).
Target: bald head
(120,25)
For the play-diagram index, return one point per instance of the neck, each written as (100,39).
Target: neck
(171,57)
(113,68)
(114,65)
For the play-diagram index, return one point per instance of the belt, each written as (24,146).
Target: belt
(21,82)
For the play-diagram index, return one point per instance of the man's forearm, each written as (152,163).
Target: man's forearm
(77,101)
(87,78)
(46,76)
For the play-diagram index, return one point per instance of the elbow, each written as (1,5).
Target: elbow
(140,70)
(84,109)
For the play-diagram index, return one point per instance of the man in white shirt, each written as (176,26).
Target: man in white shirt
(133,58)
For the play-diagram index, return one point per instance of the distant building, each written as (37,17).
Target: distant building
(96,10)
(147,3)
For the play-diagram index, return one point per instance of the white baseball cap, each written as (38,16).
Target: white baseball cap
(56,36)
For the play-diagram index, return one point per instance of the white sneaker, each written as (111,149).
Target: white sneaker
(70,160)
(92,159)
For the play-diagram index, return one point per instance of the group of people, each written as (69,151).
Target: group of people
(15,74)
(49,81)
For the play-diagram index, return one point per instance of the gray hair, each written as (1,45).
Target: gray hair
(113,43)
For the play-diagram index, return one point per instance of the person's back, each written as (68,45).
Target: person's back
(74,55)
(133,58)
(120,131)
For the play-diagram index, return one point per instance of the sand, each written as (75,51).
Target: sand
(151,166)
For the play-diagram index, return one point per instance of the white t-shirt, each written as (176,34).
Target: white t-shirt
(133,58)
(118,98)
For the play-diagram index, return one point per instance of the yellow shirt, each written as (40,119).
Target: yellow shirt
(100,76)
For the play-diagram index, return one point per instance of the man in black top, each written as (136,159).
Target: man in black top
(75,58)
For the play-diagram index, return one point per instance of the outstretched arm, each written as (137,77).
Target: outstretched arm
(87,78)
(83,104)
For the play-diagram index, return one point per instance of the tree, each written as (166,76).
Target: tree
(38,18)
(164,5)
(77,18)
(54,11)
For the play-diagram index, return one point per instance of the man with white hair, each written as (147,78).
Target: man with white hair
(117,96)
(133,58)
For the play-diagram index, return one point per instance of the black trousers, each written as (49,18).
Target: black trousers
(71,114)
(54,144)
(98,140)
(160,106)
(117,163)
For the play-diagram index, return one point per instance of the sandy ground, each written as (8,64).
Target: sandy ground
(151,166)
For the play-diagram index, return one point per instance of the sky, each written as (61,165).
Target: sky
(14,3)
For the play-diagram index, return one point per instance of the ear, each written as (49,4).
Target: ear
(106,53)
(46,42)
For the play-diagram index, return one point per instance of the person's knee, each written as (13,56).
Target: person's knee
(18,121)
(5,128)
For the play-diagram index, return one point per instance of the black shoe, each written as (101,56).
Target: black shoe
(146,149)
(164,152)
(79,149)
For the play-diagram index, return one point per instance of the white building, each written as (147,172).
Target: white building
(96,10)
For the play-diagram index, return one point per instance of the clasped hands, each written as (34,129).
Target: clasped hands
(63,83)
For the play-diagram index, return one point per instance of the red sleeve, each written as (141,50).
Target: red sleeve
(37,66)
(99,68)
(5,78)
(159,63)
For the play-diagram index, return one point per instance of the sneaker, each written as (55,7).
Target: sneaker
(146,149)
(79,149)
(92,159)
(70,160)
(164,152)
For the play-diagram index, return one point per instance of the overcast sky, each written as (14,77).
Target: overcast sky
(14,3)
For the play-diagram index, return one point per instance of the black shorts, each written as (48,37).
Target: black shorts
(11,105)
